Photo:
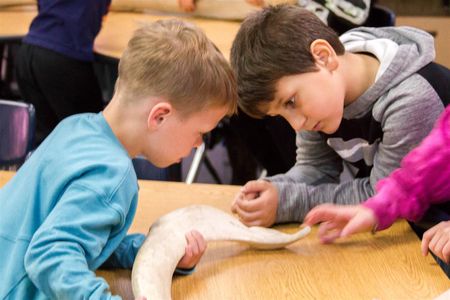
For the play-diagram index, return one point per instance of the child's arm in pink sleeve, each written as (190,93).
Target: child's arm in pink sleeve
(423,179)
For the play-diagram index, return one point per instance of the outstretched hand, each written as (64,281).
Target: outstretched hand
(437,240)
(196,246)
(340,220)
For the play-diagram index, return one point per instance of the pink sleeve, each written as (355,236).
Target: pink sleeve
(422,179)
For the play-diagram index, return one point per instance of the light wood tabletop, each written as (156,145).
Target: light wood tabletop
(118,28)
(388,265)
(15,23)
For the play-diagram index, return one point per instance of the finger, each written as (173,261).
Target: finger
(358,223)
(234,208)
(256,222)
(192,242)
(200,242)
(248,217)
(321,213)
(250,196)
(187,253)
(330,236)
(255,186)
(446,252)
(251,205)
(434,242)
(234,202)
(437,244)
(328,232)
(426,238)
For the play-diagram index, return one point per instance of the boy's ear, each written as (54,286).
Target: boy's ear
(324,54)
(158,114)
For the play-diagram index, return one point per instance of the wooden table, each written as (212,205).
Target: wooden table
(15,24)
(118,28)
(388,265)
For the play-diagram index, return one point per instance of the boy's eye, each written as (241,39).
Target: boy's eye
(290,103)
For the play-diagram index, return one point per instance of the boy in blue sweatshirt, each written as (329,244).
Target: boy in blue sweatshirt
(67,210)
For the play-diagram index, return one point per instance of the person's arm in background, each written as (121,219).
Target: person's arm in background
(422,179)
(189,5)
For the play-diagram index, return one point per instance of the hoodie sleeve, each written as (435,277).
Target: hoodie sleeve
(125,254)
(423,179)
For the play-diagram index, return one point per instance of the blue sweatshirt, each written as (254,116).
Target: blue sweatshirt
(66,212)
(68,27)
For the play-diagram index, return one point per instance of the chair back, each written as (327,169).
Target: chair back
(380,16)
(17,123)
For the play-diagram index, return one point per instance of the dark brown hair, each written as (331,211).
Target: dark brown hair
(270,44)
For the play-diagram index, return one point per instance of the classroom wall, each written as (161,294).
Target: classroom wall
(430,15)
(439,27)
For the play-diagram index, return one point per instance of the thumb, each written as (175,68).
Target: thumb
(233,207)
(234,202)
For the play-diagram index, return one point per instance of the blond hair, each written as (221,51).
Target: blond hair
(175,60)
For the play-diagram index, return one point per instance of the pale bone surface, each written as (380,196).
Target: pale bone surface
(165,244)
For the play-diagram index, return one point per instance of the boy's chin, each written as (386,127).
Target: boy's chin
(328,131)
(331,128)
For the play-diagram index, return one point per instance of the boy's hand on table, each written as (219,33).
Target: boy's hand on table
(256,204)
(437,239)
(340,220)
(196,246)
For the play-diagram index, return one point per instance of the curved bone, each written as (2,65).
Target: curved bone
(165,244)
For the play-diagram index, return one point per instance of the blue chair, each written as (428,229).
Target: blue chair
(17,124)
(146,170)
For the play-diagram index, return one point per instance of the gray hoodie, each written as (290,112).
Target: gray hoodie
(376,132)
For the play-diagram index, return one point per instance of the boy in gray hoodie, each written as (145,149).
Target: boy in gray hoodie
(363,100)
